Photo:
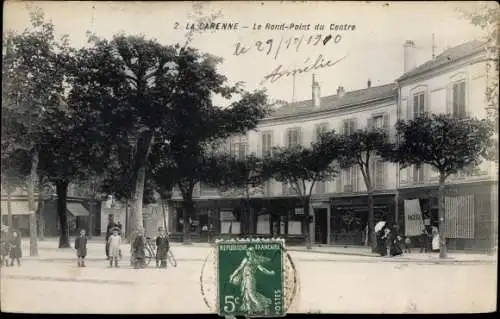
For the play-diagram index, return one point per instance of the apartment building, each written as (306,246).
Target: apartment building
(340,206)
(453,82)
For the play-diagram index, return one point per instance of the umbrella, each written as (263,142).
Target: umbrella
(379,226)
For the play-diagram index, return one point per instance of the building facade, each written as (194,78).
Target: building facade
(339,207)
(454,82)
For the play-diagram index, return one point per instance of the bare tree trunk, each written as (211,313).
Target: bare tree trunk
(143,149)
(187,212)
(10,219)
(371,221)
(41,207)
(31,203)
(442,239)
(306,203)
(62,193)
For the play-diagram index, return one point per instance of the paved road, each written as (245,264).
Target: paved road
(329,284)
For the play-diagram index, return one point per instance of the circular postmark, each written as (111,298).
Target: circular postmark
(250,277)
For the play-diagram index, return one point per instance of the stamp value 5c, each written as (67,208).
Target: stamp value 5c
(250,278)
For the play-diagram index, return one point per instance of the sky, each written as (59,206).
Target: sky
(373,49)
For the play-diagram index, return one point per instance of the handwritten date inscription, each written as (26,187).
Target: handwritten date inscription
(271,46)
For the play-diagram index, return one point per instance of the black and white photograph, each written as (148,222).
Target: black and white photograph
(146,144)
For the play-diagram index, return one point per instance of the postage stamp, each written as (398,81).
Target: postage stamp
(251,278)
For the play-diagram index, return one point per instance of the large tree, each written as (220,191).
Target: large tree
(359,150)
(237,177)
(197,123)
(447,143)
(301,168)
(31,77)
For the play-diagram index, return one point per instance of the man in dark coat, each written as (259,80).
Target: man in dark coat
(138,247)
(15,249)
(162,247)
(394,242)
(81,248)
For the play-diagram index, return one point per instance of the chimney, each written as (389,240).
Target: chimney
(409,57)
(369,83)
(316,94)
(340,91)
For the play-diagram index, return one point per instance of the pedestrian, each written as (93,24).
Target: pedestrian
(114,242)
(109,230)
(423,240)
(395,240)
(81,248)
(407,245)
(162,248)
(4,249)
(435,239)
(138,247)
(15,249)
(382,241)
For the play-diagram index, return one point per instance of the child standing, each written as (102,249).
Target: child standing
(162,247)
(114,243)
(81,248)
(15,249)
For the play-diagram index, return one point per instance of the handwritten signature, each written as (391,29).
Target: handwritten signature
(267,46)
(319,63)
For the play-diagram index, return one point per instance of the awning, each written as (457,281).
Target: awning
(77,209)
(18,208)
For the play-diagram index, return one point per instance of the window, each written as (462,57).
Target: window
(378,122)
(459,98)
(349,126)
(293,137)
(320,187)
(266,143)
(379,173)
(418,104)
(239,148)
(320,129)
(418,174)
(349,178)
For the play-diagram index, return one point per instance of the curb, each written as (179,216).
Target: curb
(396,259)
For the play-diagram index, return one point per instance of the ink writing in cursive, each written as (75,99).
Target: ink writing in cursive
(320,63)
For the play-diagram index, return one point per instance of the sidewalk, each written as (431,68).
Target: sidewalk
(48,250)
(413,257)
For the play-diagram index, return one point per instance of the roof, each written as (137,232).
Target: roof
(332,102)
(449,56)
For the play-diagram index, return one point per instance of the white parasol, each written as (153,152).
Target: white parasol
(379,226)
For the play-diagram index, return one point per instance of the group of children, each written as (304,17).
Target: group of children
(138,247)
(10,249)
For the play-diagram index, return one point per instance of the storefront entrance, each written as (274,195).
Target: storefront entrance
(320,225)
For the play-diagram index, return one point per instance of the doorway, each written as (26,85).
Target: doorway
(320,225)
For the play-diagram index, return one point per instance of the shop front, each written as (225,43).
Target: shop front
(470,214)
(349,218)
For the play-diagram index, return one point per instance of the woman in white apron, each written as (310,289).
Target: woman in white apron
(435,239)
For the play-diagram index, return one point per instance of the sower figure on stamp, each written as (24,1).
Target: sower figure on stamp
(114,242)
(245,277)
(138,247)
(162,247)
(81,248)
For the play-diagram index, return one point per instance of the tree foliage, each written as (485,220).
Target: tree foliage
(446,142)
(301,168)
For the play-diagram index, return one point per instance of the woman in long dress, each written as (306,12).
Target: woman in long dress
(244,276)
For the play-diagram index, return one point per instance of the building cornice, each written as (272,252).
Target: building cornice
(449,67)
(327,113)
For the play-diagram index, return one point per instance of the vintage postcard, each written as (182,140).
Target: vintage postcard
(249,158)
